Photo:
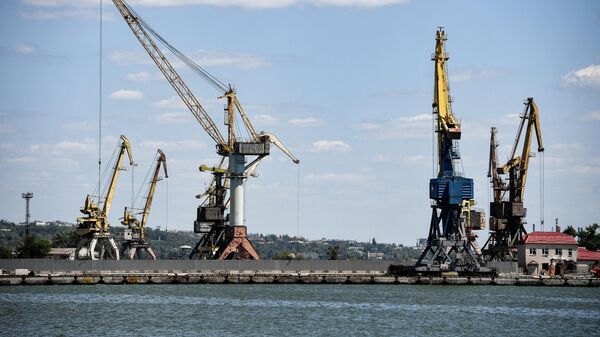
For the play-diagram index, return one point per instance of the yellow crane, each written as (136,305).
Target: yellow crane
(450,243)
(507,212)
(233,147)
(135,237)
(96,241)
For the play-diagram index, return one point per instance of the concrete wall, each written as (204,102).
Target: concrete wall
(504,267)
(192,265)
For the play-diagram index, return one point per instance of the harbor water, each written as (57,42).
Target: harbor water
(298,310)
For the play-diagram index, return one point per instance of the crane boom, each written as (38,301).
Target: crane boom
(161,160)
(507,214)
(125,146)
(496,180)
(171,74)
(448,127)
(533,124)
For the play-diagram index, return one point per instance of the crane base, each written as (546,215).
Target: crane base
(131,249)
(97,246)
(225,243)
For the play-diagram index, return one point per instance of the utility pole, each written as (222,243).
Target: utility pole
(27,196)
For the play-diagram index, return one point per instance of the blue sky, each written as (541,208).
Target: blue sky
(345,84)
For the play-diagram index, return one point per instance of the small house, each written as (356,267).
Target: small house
(551,253)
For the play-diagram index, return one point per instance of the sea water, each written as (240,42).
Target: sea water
(298,310)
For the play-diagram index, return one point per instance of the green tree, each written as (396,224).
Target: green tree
(571,231)
(35,249)
(65,239)
(5,252)
(589,237)
(333,252)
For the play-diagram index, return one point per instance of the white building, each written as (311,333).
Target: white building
(548,253)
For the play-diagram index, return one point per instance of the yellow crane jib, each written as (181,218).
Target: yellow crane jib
(96,220)
(135,235)
(442,99)
(507,211)
(96,240)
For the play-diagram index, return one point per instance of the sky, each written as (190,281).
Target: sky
(345,84)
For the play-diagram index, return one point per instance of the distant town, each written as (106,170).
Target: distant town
(57,239)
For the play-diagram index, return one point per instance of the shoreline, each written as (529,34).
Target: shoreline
(249,277)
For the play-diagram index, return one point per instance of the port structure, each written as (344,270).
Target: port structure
(507,211)
(96,241)
(451,242)
(135,239)
(235,147)
(27,196)
(218,240)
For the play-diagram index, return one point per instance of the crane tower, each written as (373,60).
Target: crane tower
(507,213)
(450,243)
(234,147)
(135,237)
(96,240)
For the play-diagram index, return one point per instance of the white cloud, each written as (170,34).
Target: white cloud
(173,102)
(204,58)
(408,127)
(357,3)
(74,147)
(353,178)
(254,4)
(139,77)
(367,126)
(416,118)
(24,49)
(65,148)
(265,120)
(585,77)
(416,159)
(129,57)
(66,13)
(382,158)
(172,118)
(467,74)
(592,116)
(566,146)
(306,122)
(329,146)
(79,126)
(23,160)
(127,95)
(178,145)
(238,60)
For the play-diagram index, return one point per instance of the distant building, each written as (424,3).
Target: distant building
(421,243)
(550,253)
(61,254)
(40,223)
(375,256)
(588,257)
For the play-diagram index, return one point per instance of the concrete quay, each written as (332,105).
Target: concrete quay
(248,277)
(55,272)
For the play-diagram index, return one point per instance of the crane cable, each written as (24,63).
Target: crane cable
(542,190)
(298,206)
(212,80)
(100,109)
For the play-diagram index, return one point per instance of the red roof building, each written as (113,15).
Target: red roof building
(584,255)
(555,238)
(541,251)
